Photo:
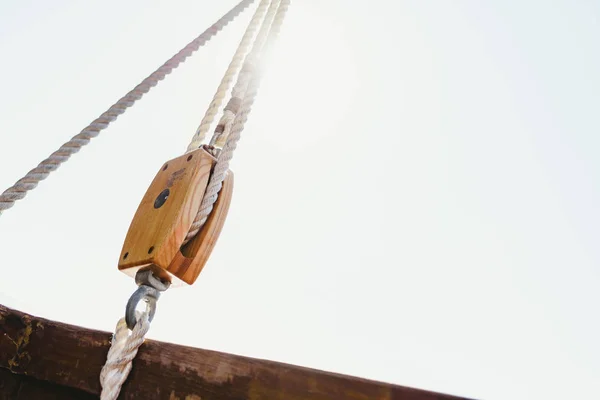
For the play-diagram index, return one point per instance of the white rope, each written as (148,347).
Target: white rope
(124,346)
(222,165)
(123,350)
(239,89)
(230,73)
(20,189)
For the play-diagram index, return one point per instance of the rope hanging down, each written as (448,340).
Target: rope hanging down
(19,190)
(125,345)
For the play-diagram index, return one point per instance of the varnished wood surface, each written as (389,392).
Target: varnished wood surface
(68,360)
(156,234)
(189,262)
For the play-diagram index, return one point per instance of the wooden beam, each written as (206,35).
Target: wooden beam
(68,359)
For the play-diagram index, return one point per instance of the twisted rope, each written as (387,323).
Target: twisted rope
(222,165)
(237,94)
(230,73)
(124,346)
(19,190)
(123,349)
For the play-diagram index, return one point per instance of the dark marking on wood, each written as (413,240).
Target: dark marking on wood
(41,358)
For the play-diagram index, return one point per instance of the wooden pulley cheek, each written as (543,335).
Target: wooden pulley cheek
(190,260)
(164,218)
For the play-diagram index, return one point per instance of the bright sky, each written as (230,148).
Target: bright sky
(416,193)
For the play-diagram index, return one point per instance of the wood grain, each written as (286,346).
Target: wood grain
(156,234)
(70,358)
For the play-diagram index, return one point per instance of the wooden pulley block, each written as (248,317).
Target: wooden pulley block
(164,217)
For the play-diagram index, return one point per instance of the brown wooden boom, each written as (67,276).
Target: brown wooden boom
(43,360)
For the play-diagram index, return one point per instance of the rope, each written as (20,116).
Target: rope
(222,165)
(124,346)
(230,73)
(123,349)
(240,87)
(20,189)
